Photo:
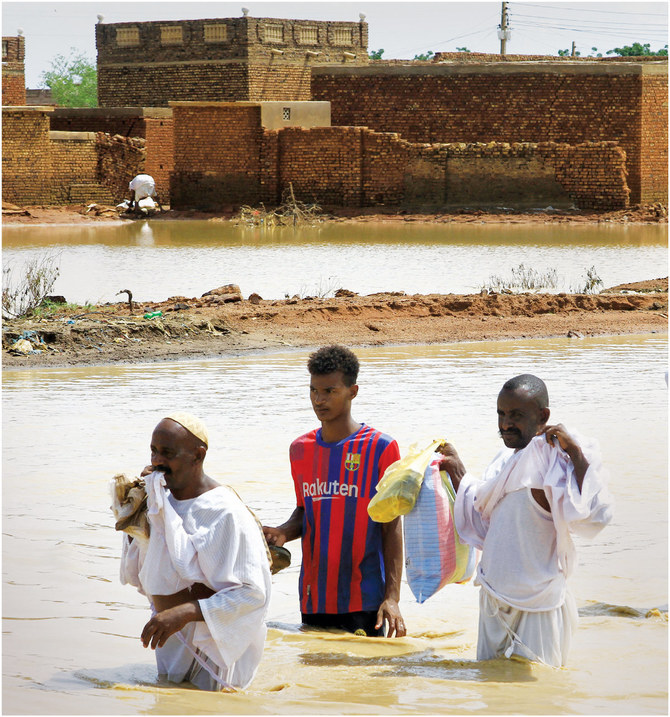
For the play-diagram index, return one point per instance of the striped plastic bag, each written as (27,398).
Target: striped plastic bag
(434,554)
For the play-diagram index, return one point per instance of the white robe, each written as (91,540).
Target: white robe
(527,552)
(213,539)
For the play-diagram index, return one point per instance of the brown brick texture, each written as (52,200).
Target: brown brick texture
(356,166)
(561,108)
(217,154)
(13,72)
(654,140)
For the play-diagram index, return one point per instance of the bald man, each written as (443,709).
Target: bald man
(544,485)
(204,568)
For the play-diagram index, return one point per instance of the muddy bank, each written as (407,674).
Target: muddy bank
(81,214)
(225,323)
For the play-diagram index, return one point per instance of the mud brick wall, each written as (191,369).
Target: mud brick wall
(217,153)
(270,191)
(160,153)
(119,159)
(13,71)
(271,81)
(26,156)
(654,140)
(155,85)
(74,160)
(129,126)
(457,104)
(323,164)
(254,59)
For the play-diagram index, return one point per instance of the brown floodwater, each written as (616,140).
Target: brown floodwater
(71,631)
(156,260)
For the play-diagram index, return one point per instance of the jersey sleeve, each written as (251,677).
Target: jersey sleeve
(389,455)
(296,455)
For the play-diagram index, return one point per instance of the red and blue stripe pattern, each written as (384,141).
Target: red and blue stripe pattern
(342,562)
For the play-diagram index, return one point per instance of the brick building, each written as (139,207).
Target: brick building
(564,102)
(226,59)
(41,166)
(153,124)
(13,70)
(229,153)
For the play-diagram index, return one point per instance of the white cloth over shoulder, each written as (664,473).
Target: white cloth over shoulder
(213,539)
(143,185)
(546,466)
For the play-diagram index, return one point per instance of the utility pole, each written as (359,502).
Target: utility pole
(574,49)
(503,33)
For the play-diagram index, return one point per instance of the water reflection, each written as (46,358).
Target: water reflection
(162,259)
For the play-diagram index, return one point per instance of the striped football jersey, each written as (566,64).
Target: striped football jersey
(342,561)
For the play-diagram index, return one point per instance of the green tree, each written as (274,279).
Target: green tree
(462,49)
(376,54)
(638,50)
(73,80)
(425,55)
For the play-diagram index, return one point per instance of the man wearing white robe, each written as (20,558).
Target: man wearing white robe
(544,485)
(204,567)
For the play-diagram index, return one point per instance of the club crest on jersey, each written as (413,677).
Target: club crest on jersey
(352,461)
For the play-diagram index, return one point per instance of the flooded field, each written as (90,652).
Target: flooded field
(156,260)
(70,630)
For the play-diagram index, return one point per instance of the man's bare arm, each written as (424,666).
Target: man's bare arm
(290,530)
(392,552)
(452,464)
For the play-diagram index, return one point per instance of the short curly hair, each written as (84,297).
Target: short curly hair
(329,359)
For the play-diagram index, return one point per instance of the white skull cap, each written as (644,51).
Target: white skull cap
(191,424)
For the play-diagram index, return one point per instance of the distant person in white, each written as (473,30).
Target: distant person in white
(545,484)
(204,567)
(141,186)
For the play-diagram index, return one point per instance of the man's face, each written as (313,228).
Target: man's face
(173,452)
(519,418)
(331,397)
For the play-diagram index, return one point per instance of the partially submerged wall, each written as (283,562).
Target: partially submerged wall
(216,155)
(535,102)
(224,157)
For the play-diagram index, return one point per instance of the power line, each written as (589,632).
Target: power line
(606,12)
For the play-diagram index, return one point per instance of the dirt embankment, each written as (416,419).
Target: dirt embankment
(78,214)
(225,323)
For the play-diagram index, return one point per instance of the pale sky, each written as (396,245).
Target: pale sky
(403,29)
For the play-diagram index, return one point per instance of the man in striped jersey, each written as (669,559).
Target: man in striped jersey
(351,566)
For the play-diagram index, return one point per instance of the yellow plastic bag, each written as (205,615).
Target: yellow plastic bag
(399,487)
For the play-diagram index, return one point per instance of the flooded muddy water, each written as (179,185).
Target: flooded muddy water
(71,631)
(156,260)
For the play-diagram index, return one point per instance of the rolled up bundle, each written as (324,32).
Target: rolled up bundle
(129,506)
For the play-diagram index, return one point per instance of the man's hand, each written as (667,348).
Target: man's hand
(452,464)
(558,434)
(148,470)
(390,612)
(167,622)
(274,536)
